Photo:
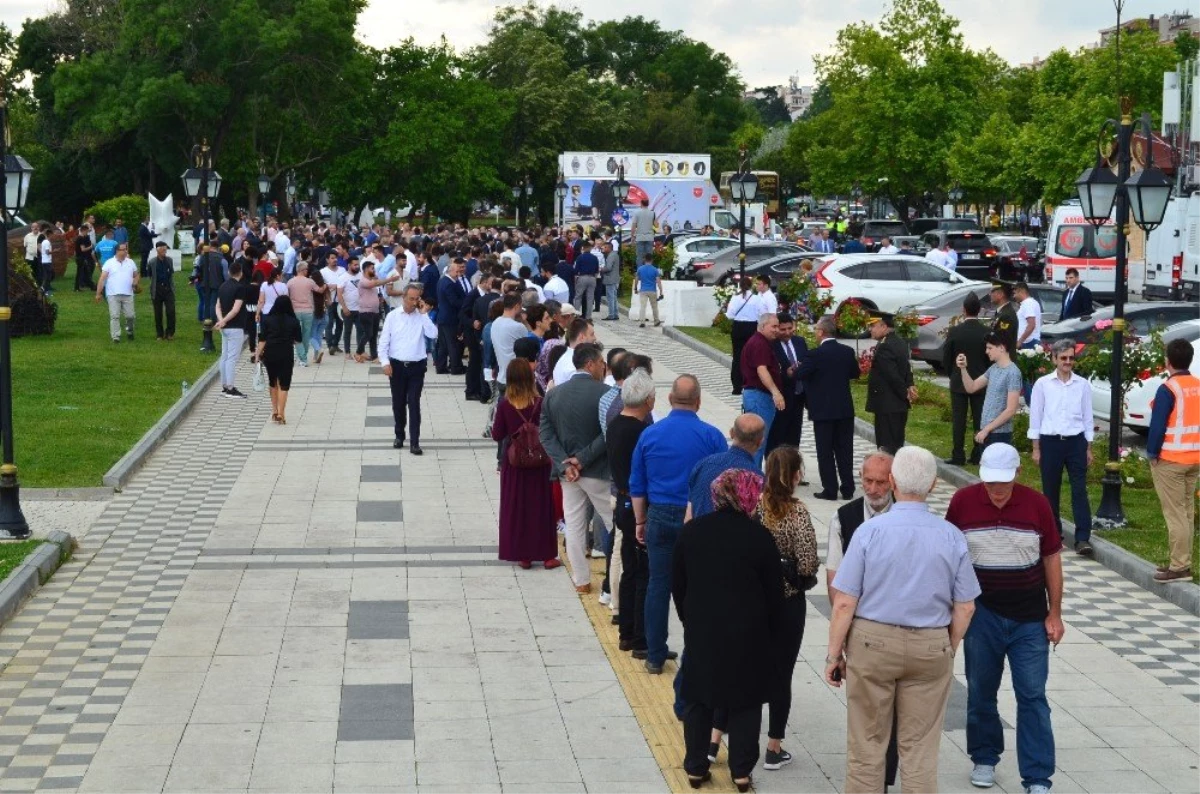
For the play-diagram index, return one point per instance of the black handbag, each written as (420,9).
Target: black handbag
(792,575)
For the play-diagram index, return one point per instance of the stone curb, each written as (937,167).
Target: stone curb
(1186,596)
(123,470)
(33,571)
(66,494)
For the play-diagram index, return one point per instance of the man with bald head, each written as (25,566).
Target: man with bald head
(658,486)
(746,436)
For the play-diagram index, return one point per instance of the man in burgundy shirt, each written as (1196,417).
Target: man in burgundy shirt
(761,377)
(1016,550)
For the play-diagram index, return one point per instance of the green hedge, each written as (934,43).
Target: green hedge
(130,209)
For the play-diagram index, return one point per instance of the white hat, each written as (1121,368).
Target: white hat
(999,463)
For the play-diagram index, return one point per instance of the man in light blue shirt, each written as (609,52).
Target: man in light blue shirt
(903,598)
(290,254)
(658,484)
(529,255)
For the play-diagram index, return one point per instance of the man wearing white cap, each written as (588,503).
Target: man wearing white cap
(1016,550)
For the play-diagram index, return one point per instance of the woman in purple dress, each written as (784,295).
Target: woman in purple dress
(527,527)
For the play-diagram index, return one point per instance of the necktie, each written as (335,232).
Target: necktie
(1070,295)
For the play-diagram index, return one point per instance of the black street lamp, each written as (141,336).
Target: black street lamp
(264,187)
(1144,196)
(743,186)
(203,181)
(17,172)
(516,193)
(290,189)
(620,191)
(560,192)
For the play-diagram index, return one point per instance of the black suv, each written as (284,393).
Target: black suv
(875,231)
(922,225)
(977,255)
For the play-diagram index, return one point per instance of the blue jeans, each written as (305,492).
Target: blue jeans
(1069,453)
(642,249)
(610,290)
(663,523)
(757,401)
(318,334)
(989,640)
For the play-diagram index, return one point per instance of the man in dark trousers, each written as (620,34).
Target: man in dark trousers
(790,349)
(162,292)
(1078,300)
(826,373)
(471,323)
(452,292)
(890,389)
(965,337)
(146,243)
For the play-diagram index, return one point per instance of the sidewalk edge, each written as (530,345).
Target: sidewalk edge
(123,470)
(34,571)
(1186,596)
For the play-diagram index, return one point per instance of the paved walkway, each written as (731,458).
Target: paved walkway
(302,608)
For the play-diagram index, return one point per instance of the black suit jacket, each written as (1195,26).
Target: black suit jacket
(891,375)
(827,371)
(789,381)
(479,309)
(1080,304)
(450,298)
(966,337)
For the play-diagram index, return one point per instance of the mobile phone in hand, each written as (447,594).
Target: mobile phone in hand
(836,675)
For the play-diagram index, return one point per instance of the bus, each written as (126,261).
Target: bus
(768,190)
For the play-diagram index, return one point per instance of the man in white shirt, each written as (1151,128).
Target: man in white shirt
(578,332)
(46,256)
(886,247)
(118,280)
(412,268)
(1061,428)
(769,303)
(347,295)
(31,249)
(334,276)
(402,348)
(555,287)
(938,257)
(1029,317)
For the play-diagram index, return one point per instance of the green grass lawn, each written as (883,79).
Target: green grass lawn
(13,554)
(929,427)
(80,401)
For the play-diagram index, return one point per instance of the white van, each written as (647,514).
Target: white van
(1073,242)
(1173,252)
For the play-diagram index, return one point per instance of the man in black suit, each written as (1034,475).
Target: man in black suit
(826,373)
(471,322)
(146,243)
(452,289)
(890,389)
(790,350)
(1078,300)
(965,337)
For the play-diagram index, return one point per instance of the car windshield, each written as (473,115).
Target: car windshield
(884,228)
(958,224)
(1082,241)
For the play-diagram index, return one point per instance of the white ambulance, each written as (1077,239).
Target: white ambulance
(1073,242)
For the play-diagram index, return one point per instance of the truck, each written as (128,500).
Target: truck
(1173,252)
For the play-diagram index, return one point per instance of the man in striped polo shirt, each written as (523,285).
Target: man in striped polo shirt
(1016,550)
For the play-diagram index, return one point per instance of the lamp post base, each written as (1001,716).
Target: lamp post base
(13,525)
(1110,514)
(206,345)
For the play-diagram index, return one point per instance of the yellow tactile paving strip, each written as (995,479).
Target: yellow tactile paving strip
(651,696)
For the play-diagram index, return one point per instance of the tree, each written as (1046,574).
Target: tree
(1186,45)
(770,107)
(980,161)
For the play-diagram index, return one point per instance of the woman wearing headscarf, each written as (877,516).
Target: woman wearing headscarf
(728,590)
(276,350)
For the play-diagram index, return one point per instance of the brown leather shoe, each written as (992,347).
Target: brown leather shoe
(1169,575)
(584,588)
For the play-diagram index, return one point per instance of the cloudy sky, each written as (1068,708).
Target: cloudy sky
(768,40)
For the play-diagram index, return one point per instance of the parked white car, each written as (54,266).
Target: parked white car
(884,282)
(1141,394)
(690,248)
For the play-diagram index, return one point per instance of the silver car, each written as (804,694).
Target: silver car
(722,267)
(934,315)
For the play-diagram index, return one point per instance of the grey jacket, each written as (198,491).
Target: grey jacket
(570,426)
(610,269)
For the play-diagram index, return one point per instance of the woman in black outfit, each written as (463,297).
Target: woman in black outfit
(276,349)
(85,260)
(727,586)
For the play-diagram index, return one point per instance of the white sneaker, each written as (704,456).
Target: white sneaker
(597,554)
(1038,789)
(605,599)
(983,776)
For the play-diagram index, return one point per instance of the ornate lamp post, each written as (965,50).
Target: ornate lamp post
(203,181)
(290,189)
(1144,196)
(17,172)
(264,188)
(620,191)
(743,187)
(560,192)
(955,195)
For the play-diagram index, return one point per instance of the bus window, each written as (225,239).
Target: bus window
(1071,241)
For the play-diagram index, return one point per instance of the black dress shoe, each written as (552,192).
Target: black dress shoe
(398,443)
(474,397)
(416,450)
(442,371)
(458,372)
(954,462)
(847,495)
(826,495)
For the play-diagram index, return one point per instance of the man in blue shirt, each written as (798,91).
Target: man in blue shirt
(747,436)
(120,233)
(106,249)
(528,255)
(587,267)
(649,284)
(658,484)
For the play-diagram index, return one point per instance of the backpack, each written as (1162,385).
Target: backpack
(525,450)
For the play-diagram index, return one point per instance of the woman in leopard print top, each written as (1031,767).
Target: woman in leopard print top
(789,522)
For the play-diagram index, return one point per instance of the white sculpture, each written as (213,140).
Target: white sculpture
(162,222)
